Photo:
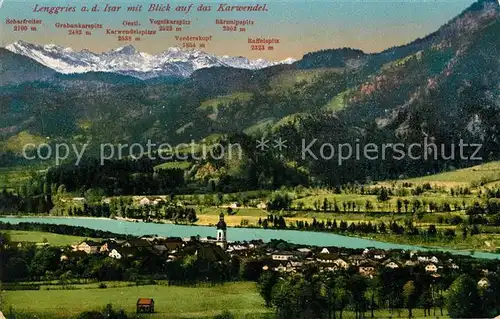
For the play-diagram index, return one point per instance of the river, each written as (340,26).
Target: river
(233,234)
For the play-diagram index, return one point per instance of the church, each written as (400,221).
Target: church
(221,238)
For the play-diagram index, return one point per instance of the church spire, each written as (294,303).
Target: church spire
(221,232)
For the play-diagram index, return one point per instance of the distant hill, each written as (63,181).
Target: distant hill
(16,69)
(444,87)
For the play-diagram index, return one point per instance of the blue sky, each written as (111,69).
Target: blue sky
(301,26)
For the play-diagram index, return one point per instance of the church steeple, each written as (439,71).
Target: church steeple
(221,232)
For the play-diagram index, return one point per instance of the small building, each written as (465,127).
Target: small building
(145,305)
(367,271)
(108,246)
(324,251)
(454,266)
(123,252)
(392,265)
(90,247)
(235,205)
(282,256)
(483,283)
(115,254)
(137,243)
(431,268)
(262,205)
(341,264)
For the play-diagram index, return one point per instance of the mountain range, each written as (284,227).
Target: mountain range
(174,62)
(444,87)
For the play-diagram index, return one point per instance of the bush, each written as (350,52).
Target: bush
(102,286)
(455,220)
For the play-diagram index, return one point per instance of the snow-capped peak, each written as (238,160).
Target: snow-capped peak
(128,60)
(287,61)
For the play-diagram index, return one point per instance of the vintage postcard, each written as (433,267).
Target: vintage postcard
(242,159)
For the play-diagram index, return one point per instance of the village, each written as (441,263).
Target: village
(367,262)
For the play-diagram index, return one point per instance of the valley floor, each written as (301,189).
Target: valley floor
(240,298)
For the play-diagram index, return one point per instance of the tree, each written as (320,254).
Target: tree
(463,298)
(266,284)
(286,299)
(426,301)
(432,231)
(399,205)
(383,195)
(329,287)
(358,286)
(326,205)
(410,296)
(342,293)
(279,201)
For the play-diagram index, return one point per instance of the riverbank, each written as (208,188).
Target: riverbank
(237,234)
(486,243)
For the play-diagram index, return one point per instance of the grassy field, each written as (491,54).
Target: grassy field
(390,205)
(43,237)
(241,299)
(13,177)
(169,165)
(481,242)
(294,79)
(475,175)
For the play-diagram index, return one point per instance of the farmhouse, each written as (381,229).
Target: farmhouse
(483,283)
(282,256)
(340,263)
(367,271)
(262,205)
(109,246)
(145,305)
(431,268)
(90,247)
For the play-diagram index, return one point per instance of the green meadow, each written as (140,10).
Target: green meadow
(43,237)
(241,299)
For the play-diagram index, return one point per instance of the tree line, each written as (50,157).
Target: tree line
(315,294)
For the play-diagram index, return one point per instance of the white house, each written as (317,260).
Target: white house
(115,254)
(324,251)
(483,283)
(282,256)
(434,259)
(145,202)
(379,256)
(235,205)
